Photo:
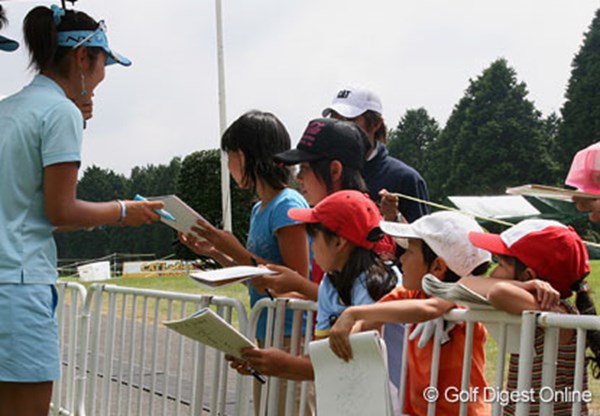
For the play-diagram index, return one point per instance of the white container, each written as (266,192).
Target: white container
(94,271)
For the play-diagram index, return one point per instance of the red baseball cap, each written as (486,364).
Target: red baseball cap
(349,214)
(554,251)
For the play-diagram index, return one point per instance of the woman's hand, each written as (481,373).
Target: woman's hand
(85,105)
(140,212)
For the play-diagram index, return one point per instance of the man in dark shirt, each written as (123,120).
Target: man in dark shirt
(383,173)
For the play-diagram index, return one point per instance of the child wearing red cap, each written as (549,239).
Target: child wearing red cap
(540,251)
(344,228)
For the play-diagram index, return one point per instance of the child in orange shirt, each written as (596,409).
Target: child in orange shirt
(437,244)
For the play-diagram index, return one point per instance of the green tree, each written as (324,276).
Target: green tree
(410,140)
(494,138)
(99,184)
(580,125)
(199,185)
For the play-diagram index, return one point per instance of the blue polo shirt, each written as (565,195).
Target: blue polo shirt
(39,127)
(265,221)
(330,306)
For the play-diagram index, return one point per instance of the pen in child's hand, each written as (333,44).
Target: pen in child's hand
(161,212)
(258,376)
(267,291)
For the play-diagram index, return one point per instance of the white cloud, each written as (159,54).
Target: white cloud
(290,57)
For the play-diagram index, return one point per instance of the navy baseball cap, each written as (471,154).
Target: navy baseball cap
(329,139)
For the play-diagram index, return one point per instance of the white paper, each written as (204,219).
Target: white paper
(456,292)
(228,275)
(185,216)
(550,192)
(209,328)
(355,388)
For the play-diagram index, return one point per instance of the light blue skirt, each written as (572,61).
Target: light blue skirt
(29,345)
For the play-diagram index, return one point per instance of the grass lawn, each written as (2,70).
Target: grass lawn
(239,291)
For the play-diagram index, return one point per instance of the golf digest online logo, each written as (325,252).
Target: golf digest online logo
(504,397)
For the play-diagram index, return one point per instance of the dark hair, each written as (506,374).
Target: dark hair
(372,118)
(585,305)
(380,277)
(259,136)
(351,177)
(3,19)
(40,33)
(429,257)
(519,266)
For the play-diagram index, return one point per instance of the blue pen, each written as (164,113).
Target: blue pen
(161,212)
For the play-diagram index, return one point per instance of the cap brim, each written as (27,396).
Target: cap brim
(347,111)
(303,215)
(490,242)
(116,58)
(7,44)
(295,156)
(397,229)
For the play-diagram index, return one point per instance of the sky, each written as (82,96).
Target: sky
(291,57)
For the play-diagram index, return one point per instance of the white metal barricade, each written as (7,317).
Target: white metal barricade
(68,312)
(136,366)
(552,322)
(302,330)
(470,317)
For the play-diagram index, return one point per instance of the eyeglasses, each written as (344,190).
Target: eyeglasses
(101,28)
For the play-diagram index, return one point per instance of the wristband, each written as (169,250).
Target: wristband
(123,210)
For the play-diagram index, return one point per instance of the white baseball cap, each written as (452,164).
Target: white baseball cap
(447,234)
(351,102)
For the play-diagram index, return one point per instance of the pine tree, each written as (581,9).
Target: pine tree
(580,125)
(494,138)
(410,140)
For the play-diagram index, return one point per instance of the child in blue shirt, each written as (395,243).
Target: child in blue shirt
(345,229)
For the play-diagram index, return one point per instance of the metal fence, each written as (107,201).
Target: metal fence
(301,334)
(118,359)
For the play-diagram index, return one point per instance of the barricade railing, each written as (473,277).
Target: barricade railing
(71,297)
(552,322)
(470,317)
(301,334)
(118,358)
(133,365)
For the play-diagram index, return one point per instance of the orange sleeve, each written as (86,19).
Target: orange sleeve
(401,293)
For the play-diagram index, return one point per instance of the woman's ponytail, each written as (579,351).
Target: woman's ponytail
(40,29)
(40,36)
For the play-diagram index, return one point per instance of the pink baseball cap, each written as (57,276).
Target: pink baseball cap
(554,251)
(585,170)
